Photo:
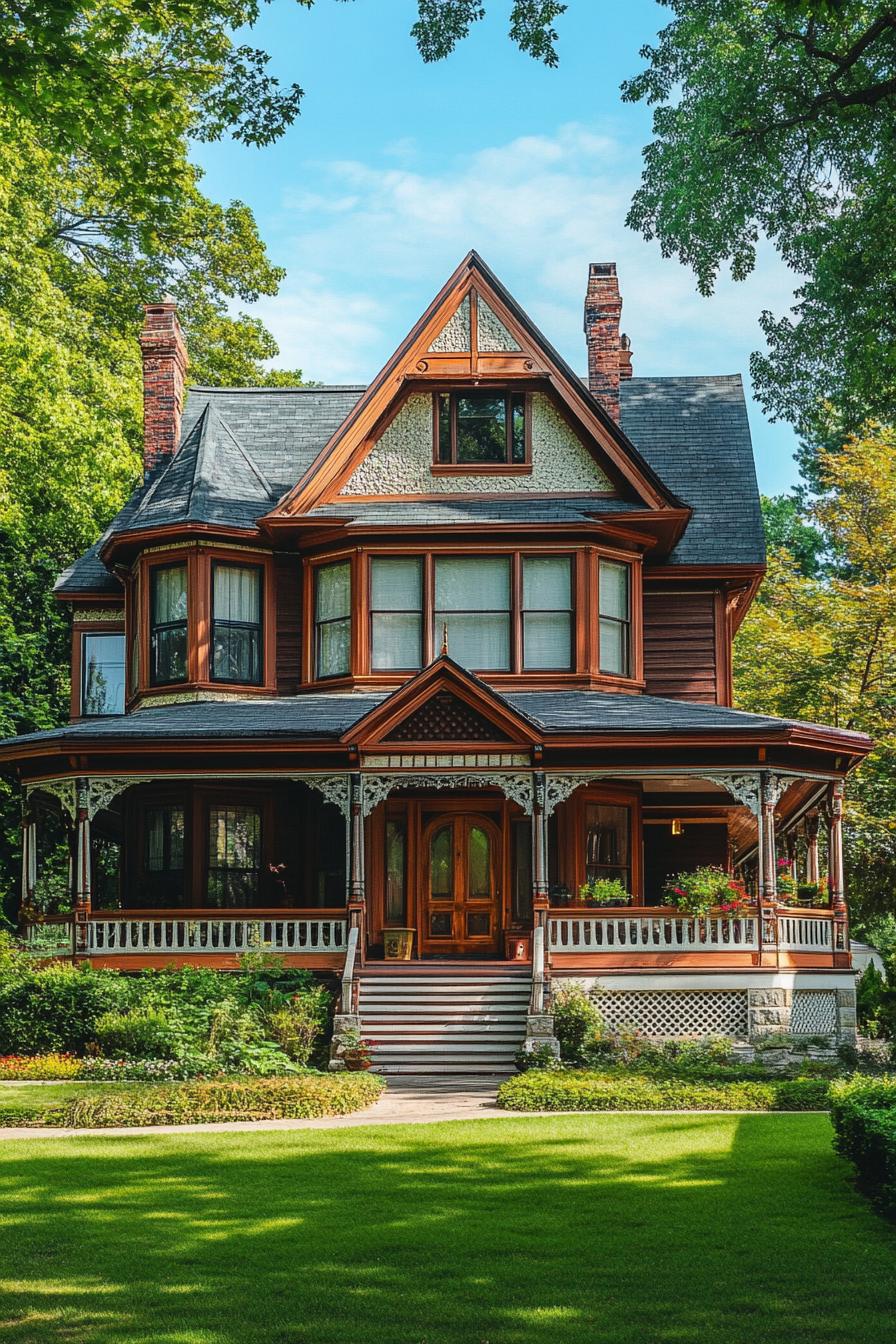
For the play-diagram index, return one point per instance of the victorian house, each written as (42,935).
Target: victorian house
(402,671)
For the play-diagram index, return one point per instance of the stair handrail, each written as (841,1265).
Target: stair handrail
(536,1004)
(347,1000)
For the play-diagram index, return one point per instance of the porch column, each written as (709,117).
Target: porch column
(768,886)
(540,1019)
(812,871)
(29,857)
(357,902)
(83,868)
(539,845)
(836,884)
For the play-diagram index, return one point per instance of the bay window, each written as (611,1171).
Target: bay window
(614,600)
(102,674)
(168,624)
(396,613)
(236,652)
(547,612)
(333,619)
(472,599)
(482,428)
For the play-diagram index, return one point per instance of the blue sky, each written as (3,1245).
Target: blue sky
(395,169)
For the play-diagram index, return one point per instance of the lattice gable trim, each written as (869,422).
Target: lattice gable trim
(446,718)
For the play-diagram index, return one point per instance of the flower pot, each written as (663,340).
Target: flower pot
(398,944)
(356,1063)
(517,947)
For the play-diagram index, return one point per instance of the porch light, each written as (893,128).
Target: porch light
(677,826)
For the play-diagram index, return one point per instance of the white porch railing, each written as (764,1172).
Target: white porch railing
(656,931)
(212,934)
(50,939)
(803,933)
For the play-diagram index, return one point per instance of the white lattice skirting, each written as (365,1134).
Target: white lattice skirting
(813,1012)
(676,1012)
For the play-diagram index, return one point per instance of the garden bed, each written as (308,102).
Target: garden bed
(97,1105)
(593,1090)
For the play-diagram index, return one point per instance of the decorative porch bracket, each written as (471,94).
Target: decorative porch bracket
(336,789)
(517,787)
(746,788)
(96,793)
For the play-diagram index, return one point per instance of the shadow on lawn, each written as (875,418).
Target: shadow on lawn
(706,1229)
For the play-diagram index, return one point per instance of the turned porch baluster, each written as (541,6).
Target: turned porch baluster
(768,880)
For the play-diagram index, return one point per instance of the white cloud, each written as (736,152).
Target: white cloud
(539,209)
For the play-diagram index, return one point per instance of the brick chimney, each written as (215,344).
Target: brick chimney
(609,353)
(164,371)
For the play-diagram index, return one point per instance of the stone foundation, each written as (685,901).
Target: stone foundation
(540,1032)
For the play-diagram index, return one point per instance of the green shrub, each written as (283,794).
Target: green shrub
(299,1025)
(585,1090)
(576,1021)
(305,1097)
(863,1113)
(539,1057)
(55,1008)
(870,993)
(140,1033)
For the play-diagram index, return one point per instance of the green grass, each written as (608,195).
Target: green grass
(33,1097)
(608,1229)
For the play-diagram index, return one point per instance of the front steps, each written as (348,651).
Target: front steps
(444,1021)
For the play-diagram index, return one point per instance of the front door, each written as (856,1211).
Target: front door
(461,860)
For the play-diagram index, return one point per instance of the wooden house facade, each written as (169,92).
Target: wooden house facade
(359,670)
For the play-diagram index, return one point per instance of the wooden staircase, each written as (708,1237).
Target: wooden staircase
(457,1018)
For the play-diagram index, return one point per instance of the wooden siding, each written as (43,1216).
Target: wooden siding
(684,657)
(289,625)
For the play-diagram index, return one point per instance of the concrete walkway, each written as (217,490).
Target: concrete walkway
(408,1100)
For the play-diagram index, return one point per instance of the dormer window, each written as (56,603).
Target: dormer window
(168,624)
(481,429)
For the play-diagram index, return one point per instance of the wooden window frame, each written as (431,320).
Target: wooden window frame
(372,611)
(175,562)
(199,558)
(80,628)
(627,624)
(570,836)
(352,617)
(505,468)
(525,611)
(219,563)
(512,610)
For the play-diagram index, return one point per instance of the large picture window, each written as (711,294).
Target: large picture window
(472,599)
(615,618)
(480,429)
(396,613)
(547,612)
(234,856)
(168,624)
(333,619)
(102,674)
(236,623)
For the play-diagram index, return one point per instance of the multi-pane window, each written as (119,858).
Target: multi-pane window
(472,599)
(615,618)
(168,624)
(236,623)
(234,855)
(547,612)
(332,619)
(396,613)
(102,674)
(480,428)
(608,843)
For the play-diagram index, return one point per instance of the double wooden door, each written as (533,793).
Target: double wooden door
(461,895)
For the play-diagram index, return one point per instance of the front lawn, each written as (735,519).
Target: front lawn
(610,1229)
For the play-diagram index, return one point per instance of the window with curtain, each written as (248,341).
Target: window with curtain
(163,857)
(168,624)
(608,842)
(102,674)
(236,623)
(547,612)
(234,856)
(396,613)
(472,597)
(396,870)
(615,618)
(333,619)
(481,428)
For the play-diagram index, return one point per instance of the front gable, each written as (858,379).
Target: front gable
(444,706)
(474,336)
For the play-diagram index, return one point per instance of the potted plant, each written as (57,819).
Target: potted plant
(807,893)
(786,883)
(355,1050)
(560,894)
(707,890)
(604,891)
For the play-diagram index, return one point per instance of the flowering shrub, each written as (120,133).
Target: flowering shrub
(54,1065)
(786,883)
(705,890)
(144,1070)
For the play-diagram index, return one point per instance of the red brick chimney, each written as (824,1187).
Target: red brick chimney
(164,371)
(609,353)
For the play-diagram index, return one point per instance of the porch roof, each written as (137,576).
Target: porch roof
(330,715)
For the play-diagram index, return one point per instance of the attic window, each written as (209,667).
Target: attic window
(481,430)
